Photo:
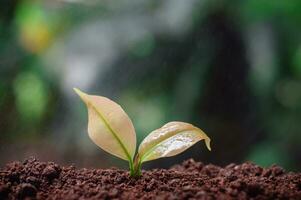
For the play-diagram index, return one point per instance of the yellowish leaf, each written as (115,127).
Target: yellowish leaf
(169,140)
(109,126)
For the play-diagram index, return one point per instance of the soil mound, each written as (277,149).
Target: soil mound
(190,180)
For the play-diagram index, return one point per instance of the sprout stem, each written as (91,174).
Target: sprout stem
(132,171)
(135,167)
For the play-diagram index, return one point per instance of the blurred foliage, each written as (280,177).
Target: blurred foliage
(231,67)
(31,96)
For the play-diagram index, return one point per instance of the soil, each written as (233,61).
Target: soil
(190,180)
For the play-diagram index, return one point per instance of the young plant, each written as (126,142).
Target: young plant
(111,129)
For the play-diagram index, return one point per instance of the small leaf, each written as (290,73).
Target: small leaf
(109,126)
(169,140)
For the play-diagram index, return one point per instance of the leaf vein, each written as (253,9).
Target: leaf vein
(113,132)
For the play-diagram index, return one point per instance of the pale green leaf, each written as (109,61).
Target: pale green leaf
(169,140)
(109,126)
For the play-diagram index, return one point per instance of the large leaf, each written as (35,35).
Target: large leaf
(169,140)
(109,126)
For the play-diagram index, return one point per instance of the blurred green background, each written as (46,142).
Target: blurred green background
(232,68)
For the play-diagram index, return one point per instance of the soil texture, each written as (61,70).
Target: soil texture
(33,179)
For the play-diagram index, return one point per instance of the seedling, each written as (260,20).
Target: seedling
(111,129)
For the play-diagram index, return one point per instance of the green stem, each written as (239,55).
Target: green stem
(131,167)
(135,167)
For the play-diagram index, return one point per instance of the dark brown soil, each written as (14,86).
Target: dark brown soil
(190,180)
